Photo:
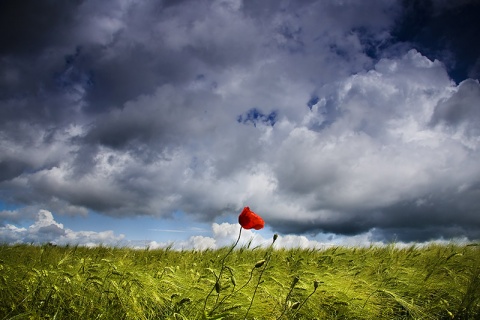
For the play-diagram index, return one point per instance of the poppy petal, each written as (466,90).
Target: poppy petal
(250,220)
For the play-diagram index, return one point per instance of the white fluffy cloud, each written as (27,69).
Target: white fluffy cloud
(46,230)
(226,234)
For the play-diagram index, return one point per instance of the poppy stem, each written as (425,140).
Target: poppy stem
(268,256)
(256,287)
(303,302)
(217,282)
(232,247)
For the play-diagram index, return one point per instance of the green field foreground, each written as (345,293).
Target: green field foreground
(50,282)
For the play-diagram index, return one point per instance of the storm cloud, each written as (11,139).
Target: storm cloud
(335,117)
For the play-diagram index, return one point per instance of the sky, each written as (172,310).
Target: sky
(153,123)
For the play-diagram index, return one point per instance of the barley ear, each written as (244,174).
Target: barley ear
(260,263)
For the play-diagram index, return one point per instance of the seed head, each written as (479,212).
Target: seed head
(259,263)
(217,287)
(275,236)
(295,281)
(316,284)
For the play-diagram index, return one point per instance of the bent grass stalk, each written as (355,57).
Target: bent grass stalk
(259,264)
(292,286)
(315,286)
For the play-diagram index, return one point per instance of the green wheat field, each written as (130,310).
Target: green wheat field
(391,282)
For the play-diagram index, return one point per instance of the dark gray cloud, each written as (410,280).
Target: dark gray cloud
(461,111)
(444,30)
(324,116)
(33,26)
(11,168)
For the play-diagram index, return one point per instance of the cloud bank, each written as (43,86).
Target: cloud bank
(324,117)
(46,230)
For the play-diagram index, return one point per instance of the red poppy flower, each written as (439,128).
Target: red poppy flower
(250,220)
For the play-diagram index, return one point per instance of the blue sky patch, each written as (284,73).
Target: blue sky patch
(254,116)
